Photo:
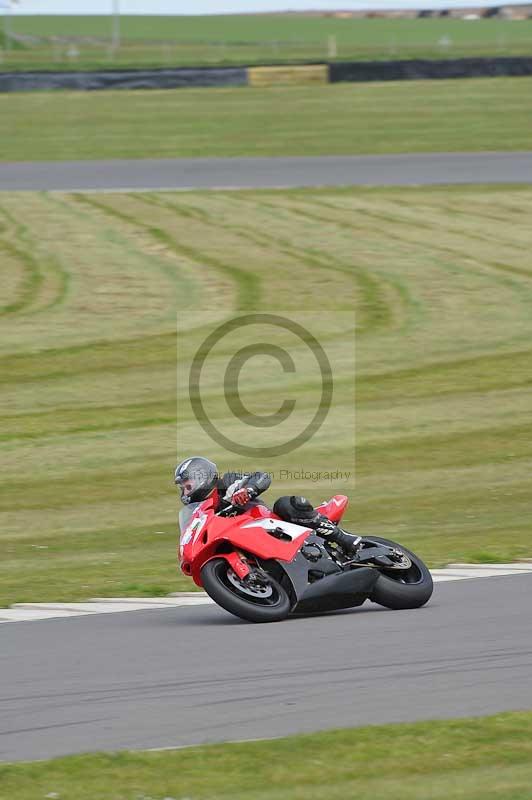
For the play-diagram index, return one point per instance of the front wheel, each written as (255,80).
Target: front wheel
(260,599)
(398,589)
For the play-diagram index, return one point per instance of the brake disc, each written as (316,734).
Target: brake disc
(399,560)
(253,585)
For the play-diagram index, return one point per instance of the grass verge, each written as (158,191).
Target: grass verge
(476,759)
(92,423)
(340,119)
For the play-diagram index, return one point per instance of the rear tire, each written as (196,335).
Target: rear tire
(411,589)
(221,584)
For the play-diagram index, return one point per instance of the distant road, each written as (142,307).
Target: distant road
(190,675)
(254,173)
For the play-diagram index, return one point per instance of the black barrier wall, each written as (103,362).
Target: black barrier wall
(353,71)
(123,79)
(356,71)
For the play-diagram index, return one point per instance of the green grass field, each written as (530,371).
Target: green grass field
(475,759)
(55,42)
(413,116)
(92,421)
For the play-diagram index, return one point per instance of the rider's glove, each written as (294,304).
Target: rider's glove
(243,496)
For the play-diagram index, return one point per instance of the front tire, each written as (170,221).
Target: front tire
(220,582)
(398,590)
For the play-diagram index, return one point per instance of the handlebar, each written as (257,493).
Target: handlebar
(226,511)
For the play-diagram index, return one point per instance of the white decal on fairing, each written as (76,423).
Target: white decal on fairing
(336,502)
(193,529)
(290,528)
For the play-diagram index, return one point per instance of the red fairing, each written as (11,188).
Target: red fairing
(334,508)
(208,535)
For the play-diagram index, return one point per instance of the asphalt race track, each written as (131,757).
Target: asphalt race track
(232,173)
(190,675)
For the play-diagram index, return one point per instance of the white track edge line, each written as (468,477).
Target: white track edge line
(34,612)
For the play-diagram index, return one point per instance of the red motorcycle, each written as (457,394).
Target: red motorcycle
(262,568)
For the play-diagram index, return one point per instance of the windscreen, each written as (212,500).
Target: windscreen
(185,515)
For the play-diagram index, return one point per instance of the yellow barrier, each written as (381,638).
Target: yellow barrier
(288,76)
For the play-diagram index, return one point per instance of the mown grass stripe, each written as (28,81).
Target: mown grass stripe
(38,270)
(482,374)
(31,284)
(414,240)
(375,312)
(153,350)
(247,284)
(73,208)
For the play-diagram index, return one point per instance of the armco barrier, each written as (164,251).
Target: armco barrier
(308,74)
(123,79)
(363,71)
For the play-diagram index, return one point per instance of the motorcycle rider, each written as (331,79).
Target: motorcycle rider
(198,479)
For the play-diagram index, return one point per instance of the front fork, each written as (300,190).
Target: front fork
(238,564)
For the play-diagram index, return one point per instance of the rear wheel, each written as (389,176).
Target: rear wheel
(259,598)
(402,588)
